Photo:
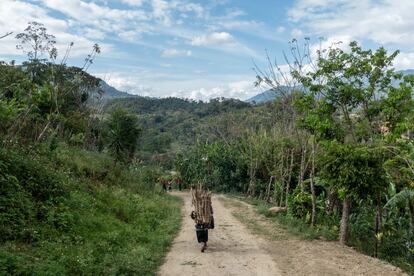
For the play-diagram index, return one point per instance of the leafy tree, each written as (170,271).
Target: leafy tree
(123,133)
(342,103)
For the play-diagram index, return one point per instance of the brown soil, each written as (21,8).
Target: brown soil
(245,243)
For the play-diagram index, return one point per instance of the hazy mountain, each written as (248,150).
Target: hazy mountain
(110,92)
(267,96)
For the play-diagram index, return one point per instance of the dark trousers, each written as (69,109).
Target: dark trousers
(202,233)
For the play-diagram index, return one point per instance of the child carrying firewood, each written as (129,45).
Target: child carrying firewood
(202,214)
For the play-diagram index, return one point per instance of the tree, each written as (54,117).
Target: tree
(342,103)
(123,134)
(356,172)
(35,41)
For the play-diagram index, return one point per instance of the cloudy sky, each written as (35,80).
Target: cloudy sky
(206,48)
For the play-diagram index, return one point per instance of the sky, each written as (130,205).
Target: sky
(203,49)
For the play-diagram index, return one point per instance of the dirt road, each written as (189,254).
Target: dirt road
(245,243)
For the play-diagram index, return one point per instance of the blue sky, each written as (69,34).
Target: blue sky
(203,49)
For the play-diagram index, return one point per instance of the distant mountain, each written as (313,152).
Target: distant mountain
(267,96)
(110,92)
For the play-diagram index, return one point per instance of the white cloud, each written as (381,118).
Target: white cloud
(196,87)
(280,29)
(130,36)
(383,22)
(296,33)
(134,3)
(192,7)
(223,41)
(213,39)
(238,90)
(161,11)
(14,16)
(98,16)
(168,53)
(404,61)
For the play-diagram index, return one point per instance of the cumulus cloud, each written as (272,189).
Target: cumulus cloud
(383,22)
(404,61)
(213,39)
(197,88)
(388,23)
(14,16)
(134,3)
(99,16)
(223,41)
(169,53)
(296,33)
(238,90)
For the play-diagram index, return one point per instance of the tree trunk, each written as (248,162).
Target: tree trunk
(282,179)
(289,177)
(411,206)
(303,167)
(378,223)
(332,202)
(252,185)
(343,235)
(268,188)
(312,185)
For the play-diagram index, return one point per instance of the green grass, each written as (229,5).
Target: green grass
(292,225)
(97,227)
(114,233)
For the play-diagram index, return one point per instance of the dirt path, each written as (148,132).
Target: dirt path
(232,249)
(245,243)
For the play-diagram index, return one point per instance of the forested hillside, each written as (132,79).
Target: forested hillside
(170,125)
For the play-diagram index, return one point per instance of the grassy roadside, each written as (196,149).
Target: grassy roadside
(289,226)
(288,223)
(103,220)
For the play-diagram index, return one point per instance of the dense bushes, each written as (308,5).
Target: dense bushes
(30,188)
(72,212)
(218,166)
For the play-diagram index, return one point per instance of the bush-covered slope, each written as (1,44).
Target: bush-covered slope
(71,212)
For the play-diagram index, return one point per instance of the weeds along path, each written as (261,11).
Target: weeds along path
(295,256)
(232,249)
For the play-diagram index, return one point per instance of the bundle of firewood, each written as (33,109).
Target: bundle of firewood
(202,204)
